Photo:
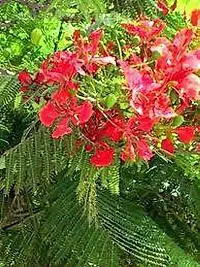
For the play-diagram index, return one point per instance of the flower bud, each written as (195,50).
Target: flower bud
(36,36)
(110,100)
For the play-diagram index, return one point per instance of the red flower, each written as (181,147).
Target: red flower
(60,68)
(143,149)
(161,81)
(195,17)
(145,29)
(48,114)
(186,133)
(64,107)
(168,145)
(24,78)
(103,157)
(148,97)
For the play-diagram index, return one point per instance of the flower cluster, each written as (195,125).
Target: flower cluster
(158,78)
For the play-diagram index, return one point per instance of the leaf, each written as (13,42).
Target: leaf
(36,36)
(18,101)
(178,121)
(110,100)
(2,163)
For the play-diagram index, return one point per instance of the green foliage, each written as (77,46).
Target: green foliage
(190,163)
(9,88)
(185,6)
(12,123)
(18,46)
(174,22)
(33,161)
(136,7)
(58,233)
(169,198)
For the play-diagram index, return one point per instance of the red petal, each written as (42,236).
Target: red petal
(168,146)
(195,17)
(48,114)
(95,37)
(181,108)
(145,29)
(173,7)
(61,96)
(186,133)
(88,148)
(113,130)
(182,40)
(84,112)
(143,149)
(77,37)
(24,78)
(62,128)
(145,123)
(39,78)
(128,152)
(102,157)
(162,6)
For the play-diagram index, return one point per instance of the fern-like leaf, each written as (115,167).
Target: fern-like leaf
(136,7)
(9,88)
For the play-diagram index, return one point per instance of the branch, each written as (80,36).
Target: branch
(25,216)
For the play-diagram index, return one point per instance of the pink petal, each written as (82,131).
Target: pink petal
(190,87)
(104,60)
(182,40)
(191,61)
(143,149)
